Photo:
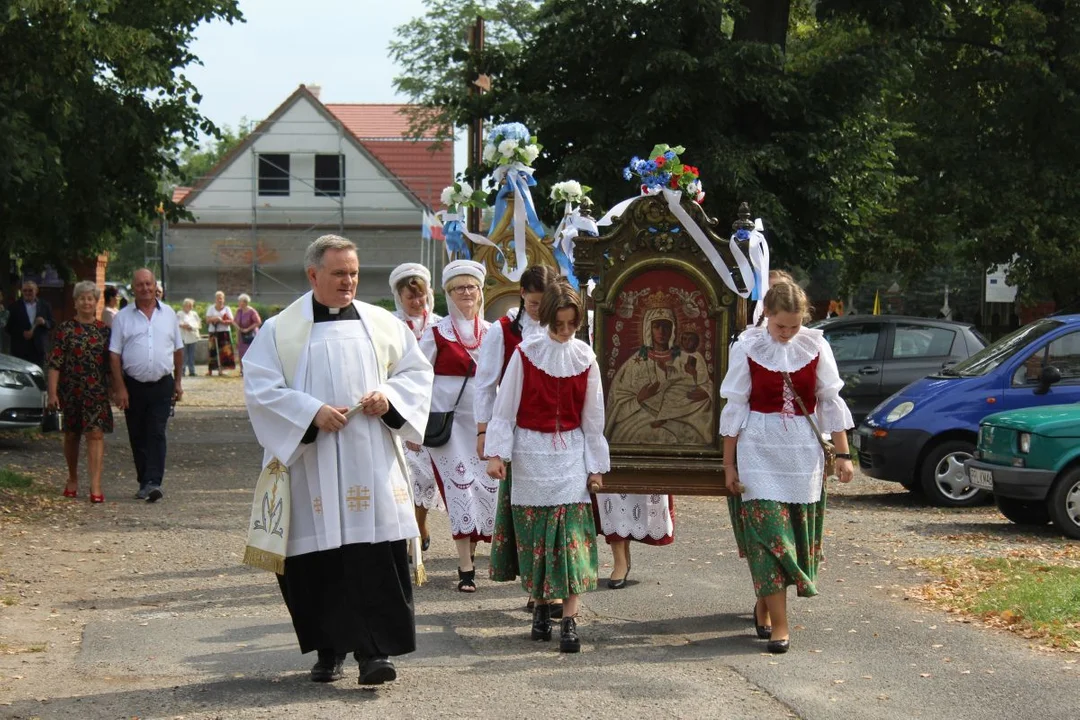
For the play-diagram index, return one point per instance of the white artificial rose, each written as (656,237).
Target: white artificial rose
(531,153)
(489,152)
(507,148)
(447,196)
(571,187)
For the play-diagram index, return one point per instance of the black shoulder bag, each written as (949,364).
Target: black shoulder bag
(439,424)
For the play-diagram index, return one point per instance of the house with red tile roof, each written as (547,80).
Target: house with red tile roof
(309,169)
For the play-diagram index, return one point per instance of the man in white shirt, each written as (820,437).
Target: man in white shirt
(146,354)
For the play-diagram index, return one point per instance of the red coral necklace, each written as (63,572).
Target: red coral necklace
(476,333)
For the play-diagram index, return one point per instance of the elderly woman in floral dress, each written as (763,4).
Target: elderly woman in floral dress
(79,386)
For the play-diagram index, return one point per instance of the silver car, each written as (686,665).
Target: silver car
(22,393)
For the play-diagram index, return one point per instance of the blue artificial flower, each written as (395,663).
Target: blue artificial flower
(650,166)
(627,174)
(635,161)
(639,166)
(669,155)
(742,234)
(664,177)
(510,131)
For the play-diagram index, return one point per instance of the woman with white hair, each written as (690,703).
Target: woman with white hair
(190,324)
(79,386)
(453,347)
(219,322)
(248,323)
(414,299)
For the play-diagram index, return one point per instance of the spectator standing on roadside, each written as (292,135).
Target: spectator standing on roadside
(190,324)
(146,354)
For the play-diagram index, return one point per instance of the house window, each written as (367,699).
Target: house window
(330,175)
(273,174)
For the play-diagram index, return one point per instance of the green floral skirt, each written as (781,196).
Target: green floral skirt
(503,563)
(780,541)
(556,550)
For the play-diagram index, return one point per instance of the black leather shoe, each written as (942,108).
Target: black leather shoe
(541,624)
(556,610)
(328,668)
(376,671)
(763,631)
(569,642)
(425,543)
(619,584)
(778,647)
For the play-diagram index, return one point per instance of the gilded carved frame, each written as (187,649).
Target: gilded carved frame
(648,239)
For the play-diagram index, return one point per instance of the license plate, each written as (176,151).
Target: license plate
(983,479)
(856,440)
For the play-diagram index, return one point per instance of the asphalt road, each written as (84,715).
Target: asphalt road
(144,611)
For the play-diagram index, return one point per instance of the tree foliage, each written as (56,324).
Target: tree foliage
(195,161)
(890,134)
(93,106)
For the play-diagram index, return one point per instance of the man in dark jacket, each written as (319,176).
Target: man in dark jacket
(29,325)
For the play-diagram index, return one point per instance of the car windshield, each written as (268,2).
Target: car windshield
(992,356)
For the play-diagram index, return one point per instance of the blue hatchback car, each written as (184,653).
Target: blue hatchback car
(921,436)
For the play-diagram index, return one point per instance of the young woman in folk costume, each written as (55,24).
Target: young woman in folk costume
(453,347)
(414,299)
(499,345)
(773,463)
(549,420)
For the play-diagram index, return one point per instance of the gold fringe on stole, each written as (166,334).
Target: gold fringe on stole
(263,560)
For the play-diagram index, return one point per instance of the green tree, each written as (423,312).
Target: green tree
(196,161)
(438,69)
(93,106)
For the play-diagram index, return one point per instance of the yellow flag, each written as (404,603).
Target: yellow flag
(877,302)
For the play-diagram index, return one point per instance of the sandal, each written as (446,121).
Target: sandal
(466,581)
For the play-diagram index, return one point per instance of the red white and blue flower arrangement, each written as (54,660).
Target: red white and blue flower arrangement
(663,169)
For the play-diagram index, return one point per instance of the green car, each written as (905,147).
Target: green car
(1030,460)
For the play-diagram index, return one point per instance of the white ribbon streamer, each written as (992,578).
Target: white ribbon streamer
(759,248)
(571,225)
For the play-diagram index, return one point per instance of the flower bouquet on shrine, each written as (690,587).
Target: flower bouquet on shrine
(571,194)
(458,198)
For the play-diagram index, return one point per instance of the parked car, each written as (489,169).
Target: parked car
(922,436)
(22,393)
(878,355)
(1030,460)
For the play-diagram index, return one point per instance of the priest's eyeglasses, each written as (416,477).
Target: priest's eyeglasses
(466,289)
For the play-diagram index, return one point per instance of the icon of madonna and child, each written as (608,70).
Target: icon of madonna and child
(660,364)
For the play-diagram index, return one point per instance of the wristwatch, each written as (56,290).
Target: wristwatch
(843,456)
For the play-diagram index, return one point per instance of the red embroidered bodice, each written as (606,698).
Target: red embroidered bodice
(510,341)
(767,388)
(451,358)
(550,404)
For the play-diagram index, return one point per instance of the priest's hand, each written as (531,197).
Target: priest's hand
(415,447)
(374,404)
(496,468)
(330,419)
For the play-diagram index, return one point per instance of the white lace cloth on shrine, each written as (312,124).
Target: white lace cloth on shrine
(778,456)
(550,468)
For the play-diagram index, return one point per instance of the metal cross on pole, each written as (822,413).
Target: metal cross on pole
(476,128)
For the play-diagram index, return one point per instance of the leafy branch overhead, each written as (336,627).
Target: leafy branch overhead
(892,134)
(94,105)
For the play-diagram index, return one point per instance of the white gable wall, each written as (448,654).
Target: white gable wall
(371,198)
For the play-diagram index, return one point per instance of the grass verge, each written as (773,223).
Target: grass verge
(25,498)
(1033,596)
(11,480)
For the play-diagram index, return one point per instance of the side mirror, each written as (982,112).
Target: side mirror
(1047,377)
(948,364)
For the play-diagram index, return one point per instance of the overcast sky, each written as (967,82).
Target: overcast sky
(250,68)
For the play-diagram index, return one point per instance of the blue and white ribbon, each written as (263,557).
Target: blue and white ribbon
(571,225)
(453,229)
(759,248)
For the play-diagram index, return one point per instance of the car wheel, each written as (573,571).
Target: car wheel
(1021,512)
(943,477)
(1064,503)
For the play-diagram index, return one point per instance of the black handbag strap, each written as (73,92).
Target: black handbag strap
(461,392)
(813,425)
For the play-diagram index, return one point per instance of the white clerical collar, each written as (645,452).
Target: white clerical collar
(333,310)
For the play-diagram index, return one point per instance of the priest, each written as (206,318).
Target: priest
(332,385)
